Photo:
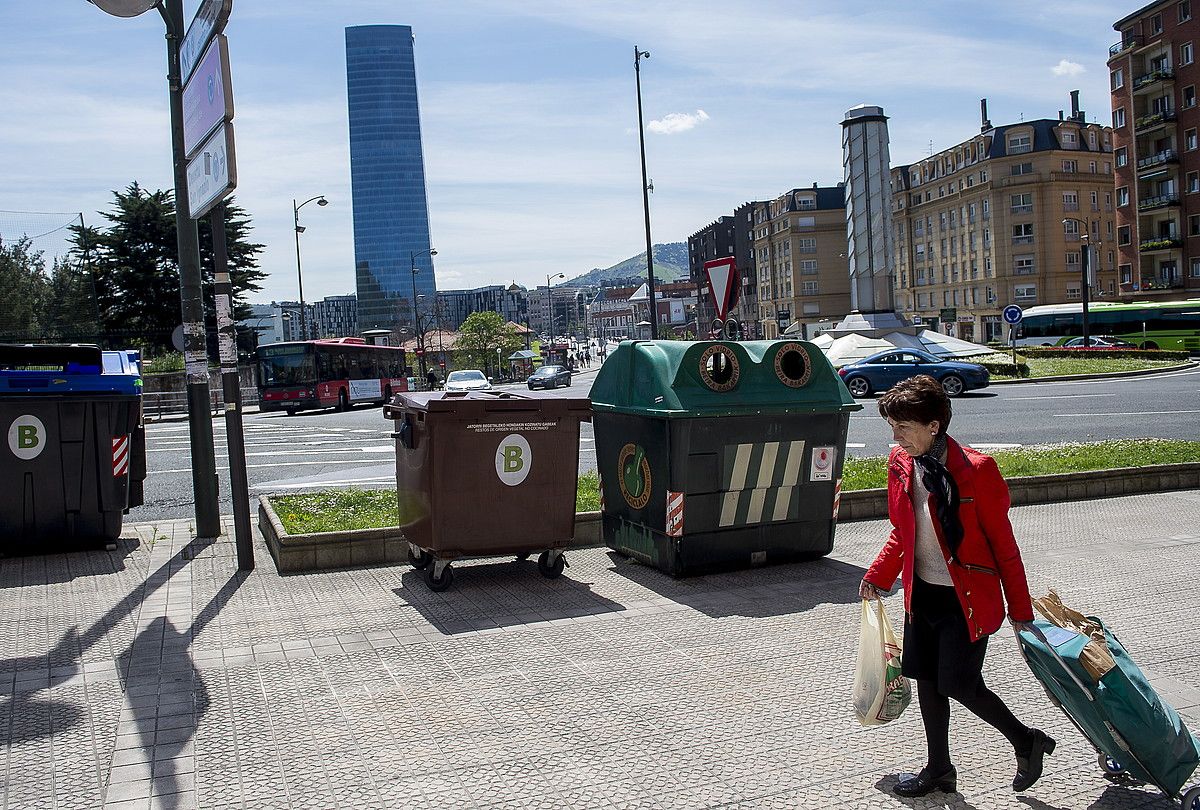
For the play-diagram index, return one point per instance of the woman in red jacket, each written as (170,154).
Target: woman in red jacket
(953,547)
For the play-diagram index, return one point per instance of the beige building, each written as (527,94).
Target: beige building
(1001,219)
(799,242)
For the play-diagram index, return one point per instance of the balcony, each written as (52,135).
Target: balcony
(1022,209)
(1124,45)
(1154,203)
(1022,240)
(1149,285)
(1153,77)
(1147,122)
(1161,243)
(1157,159)
(1070,206)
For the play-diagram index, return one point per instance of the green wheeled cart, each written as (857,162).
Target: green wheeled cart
(718,455)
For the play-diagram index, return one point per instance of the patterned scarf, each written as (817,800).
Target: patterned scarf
(941,485)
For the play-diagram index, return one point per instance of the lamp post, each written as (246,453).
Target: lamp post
(412,257)
(638,55)
(319,200)
(550,302)
(1084,266)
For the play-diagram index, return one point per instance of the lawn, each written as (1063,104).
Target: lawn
(343,509)
(1062,366)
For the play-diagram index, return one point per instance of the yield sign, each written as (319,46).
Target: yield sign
(722,284)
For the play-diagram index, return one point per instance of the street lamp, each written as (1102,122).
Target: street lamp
(321,201)
(412,257)
(638,56)
(550,301)
(1084,265)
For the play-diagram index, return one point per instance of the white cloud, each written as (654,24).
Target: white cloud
(673,123)
(1066,67)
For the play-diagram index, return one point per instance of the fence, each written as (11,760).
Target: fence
(159,405)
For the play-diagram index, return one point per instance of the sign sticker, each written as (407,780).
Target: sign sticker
(821,468)
(26,437)
(633,474)
(513,459)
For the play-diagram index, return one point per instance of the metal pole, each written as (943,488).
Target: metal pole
(637,69)
(227,334)
(550,305)
(299,275)
(1085,287)
(416,321)
(200,431)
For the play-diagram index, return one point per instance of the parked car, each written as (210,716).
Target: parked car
(550,377)
(467,380)
(882,370)
(1099,342)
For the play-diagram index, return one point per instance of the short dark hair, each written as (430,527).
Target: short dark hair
(918,399)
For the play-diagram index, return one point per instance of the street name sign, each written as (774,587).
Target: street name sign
(209,21)
(722,284)
(212,173)
(1013,314)
(208,96)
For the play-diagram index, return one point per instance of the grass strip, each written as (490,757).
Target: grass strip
(1064,366)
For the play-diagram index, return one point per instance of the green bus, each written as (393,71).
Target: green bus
(1150,325)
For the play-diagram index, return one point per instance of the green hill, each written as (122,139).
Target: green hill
(670,264)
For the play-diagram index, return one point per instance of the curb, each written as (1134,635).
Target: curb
(1141,372)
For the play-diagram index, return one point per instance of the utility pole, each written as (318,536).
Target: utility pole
(638,55)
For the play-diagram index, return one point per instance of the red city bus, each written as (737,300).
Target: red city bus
(339,372)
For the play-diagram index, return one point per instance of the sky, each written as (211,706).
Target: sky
(529,114)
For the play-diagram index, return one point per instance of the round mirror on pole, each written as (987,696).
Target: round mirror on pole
(124,8)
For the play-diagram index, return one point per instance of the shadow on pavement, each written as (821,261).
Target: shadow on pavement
(951,801)
(28,566)
(501,594)
(773,590)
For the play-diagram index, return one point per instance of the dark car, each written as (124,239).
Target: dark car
(882,370)
(550,377)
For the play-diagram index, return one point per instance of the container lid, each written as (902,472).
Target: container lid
(474,403)
(674,379)
(67,369)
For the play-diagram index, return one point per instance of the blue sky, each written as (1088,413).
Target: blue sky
(528,112)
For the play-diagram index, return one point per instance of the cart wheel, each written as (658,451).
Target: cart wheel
(439,584)
(419,561)
(1109,765)
(1191,799)
(523,557)
(551,570)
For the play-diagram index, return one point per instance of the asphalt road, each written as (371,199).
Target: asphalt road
(324,449)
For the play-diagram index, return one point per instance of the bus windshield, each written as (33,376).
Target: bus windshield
(285,365)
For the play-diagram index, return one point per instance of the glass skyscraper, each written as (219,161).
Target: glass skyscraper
(387,176)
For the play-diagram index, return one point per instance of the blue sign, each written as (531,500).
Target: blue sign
(1012,314)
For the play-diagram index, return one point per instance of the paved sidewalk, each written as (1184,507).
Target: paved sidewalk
(154,676)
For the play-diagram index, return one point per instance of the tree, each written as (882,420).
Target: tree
(482,333)
(22,291)
(135,265)
(71,313)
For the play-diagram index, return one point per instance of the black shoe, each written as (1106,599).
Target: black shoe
(926,782)
(1029,768)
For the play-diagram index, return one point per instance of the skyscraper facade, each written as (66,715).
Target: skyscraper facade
(387,175)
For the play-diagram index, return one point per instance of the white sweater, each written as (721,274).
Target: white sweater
(928,562)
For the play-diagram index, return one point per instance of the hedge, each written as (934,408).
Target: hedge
(1140,354)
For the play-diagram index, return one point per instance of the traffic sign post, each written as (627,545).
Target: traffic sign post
(209,21)
(1012,316)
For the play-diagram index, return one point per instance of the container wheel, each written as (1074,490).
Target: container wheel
(420,560)
(551,570)
(523,557)
(1191,799)
(1110,766)
(438,584)
(859,387)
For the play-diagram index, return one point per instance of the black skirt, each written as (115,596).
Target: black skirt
(937,645)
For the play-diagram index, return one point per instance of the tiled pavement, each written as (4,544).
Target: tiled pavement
(155,676)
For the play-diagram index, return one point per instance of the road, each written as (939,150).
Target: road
(320,449)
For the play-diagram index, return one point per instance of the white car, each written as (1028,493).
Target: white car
(468,380)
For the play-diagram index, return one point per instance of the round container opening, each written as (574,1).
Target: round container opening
(792,365)
(719,368)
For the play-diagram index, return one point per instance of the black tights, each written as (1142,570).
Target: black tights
(982,702)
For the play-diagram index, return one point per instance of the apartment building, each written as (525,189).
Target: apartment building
(610,315)
(727,236)
(1001,219)
(336,316)
(799,246)
(455,305)
(1156,151)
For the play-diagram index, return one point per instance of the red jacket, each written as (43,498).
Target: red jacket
(988,557)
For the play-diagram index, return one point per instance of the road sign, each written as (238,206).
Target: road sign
(209,21)
(212,173)
(1013,314)
(783,319)
(207,97)
(722,284)
(948,315)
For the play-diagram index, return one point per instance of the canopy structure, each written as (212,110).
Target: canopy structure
(523,354)
(850,348)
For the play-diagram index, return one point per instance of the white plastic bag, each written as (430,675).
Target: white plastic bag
(881,693)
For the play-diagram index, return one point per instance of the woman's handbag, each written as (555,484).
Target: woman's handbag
(881,693)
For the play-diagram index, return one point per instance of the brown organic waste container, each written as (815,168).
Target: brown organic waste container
(485,474)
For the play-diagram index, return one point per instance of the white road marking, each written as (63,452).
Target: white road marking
(1135,413)
(1063,396)
(993,446)
(340,482)
(855,444)
(327,462)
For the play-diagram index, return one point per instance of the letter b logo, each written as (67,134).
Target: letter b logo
(26,437)
(513,459)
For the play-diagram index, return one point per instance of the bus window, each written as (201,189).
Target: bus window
(288,365)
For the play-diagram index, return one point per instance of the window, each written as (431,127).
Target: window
(1194,225)
(1022,234)
(1117,79)
(1022,203)
(1073,257)
(1126,273)
(1156,25)
(1189,96)
(808,288)
(983,175)
(1024,266)
(1195,271)
(1070,201)
(1024,293)
(812,308)
(1122,156)
(1073,291)
(1122,196)
(1022,168)
(1068,138)
(808,245)
(1189,139)
(1186,54)
(808,267)
(1019,144)
(1118,117)
(1193,182)
(1070,166)
(1096,202)
(1071,230)
(1123,235)
(1092,167)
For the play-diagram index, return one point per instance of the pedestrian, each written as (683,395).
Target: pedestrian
(953,547)
(432,379)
